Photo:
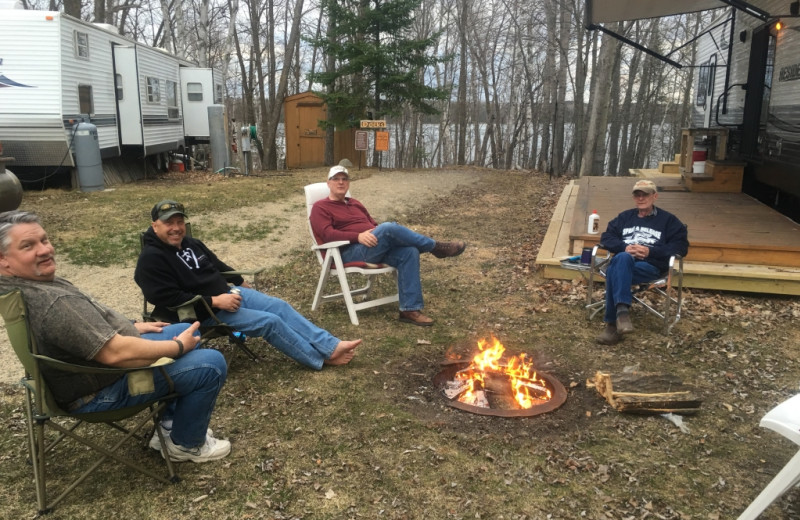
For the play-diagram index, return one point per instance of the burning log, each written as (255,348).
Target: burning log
(646,393)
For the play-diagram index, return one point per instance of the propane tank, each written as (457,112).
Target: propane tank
(10,191)
(594,223)
(87,157)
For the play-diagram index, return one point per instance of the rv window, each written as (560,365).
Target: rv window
(704,82)
(218,94)
(82,45)
(172,100)
(194,91)
(153,90)
(118,85)
(85,99)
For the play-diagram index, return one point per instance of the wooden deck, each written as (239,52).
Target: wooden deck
(736,243)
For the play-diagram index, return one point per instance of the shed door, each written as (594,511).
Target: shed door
(311,138)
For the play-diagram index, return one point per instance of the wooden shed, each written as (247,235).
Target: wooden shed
(305,140)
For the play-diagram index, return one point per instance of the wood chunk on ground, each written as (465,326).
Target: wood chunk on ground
(646,393)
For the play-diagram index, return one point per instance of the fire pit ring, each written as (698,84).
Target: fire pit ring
(558,398)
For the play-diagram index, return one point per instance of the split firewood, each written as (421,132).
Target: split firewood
(452,389)
(646,393)
(478,398)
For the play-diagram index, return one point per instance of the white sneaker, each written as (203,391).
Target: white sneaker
(212,449)
(156,444)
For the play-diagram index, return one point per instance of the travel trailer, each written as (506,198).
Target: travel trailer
(747,84)
(56,71)
(748,81)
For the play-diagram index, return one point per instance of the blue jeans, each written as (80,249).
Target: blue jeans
(283,327)
(623,272)
(198,377)
(399,247)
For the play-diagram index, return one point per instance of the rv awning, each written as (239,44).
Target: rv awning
(603,11)
(609,11)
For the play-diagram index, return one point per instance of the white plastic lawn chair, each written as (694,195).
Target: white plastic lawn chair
(330,259)
(784,419)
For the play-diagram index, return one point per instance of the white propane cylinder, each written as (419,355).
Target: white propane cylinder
(594,223)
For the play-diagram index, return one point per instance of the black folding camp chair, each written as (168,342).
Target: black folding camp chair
(186,310)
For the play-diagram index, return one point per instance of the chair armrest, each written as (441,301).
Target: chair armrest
(85,369)
(246,272)
(331,245)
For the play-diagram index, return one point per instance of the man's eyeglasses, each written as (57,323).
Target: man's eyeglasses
(340,179)
(641,194)
(171,205)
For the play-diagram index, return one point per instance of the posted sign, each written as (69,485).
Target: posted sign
(381,141)
(361,140)
(373,123)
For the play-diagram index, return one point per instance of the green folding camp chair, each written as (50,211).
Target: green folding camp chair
(186,311)
(44,415)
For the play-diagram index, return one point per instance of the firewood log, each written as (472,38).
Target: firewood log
(646,393)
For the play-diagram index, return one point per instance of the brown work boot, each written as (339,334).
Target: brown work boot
(624,325)
(448,249)
(415,318)
(610,336)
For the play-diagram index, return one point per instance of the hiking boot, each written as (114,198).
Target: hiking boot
(415,318)
(211,449)
(156,444)
(624,325)
(448,249)
(610,336)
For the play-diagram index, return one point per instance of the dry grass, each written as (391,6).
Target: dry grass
(374,439)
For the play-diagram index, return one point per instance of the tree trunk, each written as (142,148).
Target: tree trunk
(593,161)
(277,99)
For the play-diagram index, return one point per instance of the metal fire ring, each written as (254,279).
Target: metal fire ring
(558,398)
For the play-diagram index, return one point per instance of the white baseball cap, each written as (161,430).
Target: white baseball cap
(337,169)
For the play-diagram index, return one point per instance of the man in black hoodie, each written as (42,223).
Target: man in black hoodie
(173,268)
(642,239)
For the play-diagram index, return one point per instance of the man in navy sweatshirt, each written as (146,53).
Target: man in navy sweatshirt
(642,239)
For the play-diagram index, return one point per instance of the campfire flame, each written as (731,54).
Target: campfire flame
(526,386)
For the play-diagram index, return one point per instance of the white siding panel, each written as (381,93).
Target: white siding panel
(158,127)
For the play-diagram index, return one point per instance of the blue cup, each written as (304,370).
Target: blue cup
(586,256)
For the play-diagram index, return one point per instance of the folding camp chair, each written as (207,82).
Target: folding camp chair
(668,288)
(784,419)
(44,414)
(186,310)
(330,260)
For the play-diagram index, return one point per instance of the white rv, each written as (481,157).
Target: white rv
(748,80)
(56,70)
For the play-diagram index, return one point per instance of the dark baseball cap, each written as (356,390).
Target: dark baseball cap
(166,209)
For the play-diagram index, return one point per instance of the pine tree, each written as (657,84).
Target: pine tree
(379,66)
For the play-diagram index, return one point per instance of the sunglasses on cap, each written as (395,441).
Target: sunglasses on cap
(170,205)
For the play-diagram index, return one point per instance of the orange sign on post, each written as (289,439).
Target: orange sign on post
(381,141)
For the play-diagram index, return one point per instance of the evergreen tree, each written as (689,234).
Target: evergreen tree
(379,66)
